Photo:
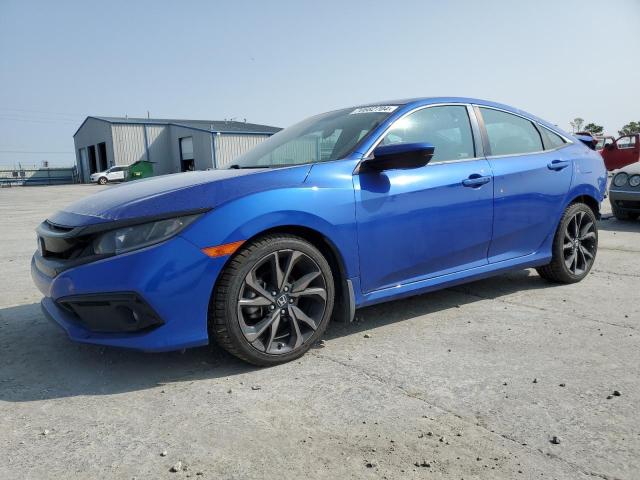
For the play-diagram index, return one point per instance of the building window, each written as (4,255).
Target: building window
(186,154)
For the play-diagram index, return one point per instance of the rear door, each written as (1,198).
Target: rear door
(532,175)
(429,221)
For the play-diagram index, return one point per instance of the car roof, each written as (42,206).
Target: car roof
(430,100)
(419,101)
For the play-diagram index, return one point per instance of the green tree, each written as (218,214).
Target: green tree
(630,128)
(594,129)
(576,124)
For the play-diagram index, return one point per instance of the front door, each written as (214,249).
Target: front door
(532,174)
(429,221)
(623,152)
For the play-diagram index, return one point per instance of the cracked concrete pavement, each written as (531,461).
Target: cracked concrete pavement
(468,382)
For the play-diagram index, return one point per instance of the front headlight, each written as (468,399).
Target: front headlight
(620,179)
(130,238)
(634,181)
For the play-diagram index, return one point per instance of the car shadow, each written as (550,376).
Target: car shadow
(612,224)
(451,298)
(38,362)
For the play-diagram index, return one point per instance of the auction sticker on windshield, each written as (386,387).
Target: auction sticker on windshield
(375,109)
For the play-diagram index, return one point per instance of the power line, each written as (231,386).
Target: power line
(43,111)
(38,120)
(31,151)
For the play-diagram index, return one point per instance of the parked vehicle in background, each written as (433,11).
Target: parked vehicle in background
(621,152)
(345,209)
(624,193)
(114,174)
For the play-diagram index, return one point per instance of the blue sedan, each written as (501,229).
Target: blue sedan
(345,209)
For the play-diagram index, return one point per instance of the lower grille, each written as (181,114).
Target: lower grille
(111,312)
(628,204)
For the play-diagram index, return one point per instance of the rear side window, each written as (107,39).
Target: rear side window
(509,134)
(447,128)
(550,139)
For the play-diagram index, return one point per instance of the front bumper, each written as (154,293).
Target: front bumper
(626,200)
(173,279)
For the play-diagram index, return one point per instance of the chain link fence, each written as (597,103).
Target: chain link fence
(38,176)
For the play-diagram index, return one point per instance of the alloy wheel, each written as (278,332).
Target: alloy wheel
(579,245)
(281,302)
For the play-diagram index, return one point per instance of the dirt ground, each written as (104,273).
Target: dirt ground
(470,382)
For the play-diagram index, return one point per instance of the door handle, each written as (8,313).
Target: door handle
(475,180)
(558,165)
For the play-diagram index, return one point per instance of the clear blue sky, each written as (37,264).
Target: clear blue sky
(275,62)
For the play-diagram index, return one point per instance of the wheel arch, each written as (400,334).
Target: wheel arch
(588,200)
(586,194)
(344,304)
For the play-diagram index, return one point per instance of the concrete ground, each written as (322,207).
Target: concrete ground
(470,382)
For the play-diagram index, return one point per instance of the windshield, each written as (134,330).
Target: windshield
(329,136)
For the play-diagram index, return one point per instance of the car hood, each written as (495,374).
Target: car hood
(181,192)
(631,169)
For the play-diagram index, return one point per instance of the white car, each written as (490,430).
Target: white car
(114,174)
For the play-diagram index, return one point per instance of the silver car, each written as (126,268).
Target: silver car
(114,174)
(624,193)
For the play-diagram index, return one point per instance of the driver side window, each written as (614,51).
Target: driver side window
(626,142)
(447,128)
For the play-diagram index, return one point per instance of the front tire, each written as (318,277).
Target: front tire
(102,181)
(574,246)
(273,300)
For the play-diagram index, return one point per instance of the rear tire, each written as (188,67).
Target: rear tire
(273,300)
(574,246)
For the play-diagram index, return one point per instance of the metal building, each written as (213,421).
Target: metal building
(170,145)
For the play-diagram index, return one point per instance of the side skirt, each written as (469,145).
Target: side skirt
(449,280)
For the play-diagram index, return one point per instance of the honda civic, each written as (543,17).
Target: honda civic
(345,209)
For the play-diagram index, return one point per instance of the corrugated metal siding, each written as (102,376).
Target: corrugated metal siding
(229,147)
(128,144)
(159,154)
(155,136)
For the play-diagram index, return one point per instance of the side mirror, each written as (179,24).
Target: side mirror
(400,156)
(610,146)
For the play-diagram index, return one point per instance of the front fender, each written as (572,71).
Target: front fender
(325,208)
